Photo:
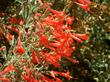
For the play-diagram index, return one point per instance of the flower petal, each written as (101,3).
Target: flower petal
(8,69)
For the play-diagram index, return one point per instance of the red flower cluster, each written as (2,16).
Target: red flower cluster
(56,41)
(61,43)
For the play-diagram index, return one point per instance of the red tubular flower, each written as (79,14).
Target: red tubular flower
(34,80)
(59,14)
(51,59)
(34,59)
(8,69)
(67,74)
(43,39)
(20,50)
(4,80)
(57,79)
(10,37)
(72,60)
(13,20)
(76,38)
(1,48)
(46,79)
(27,77)
(21,22)
(82,36)
(58,27)
(37,15)
(85,4)
(54,76)
(64,51)
(13,29)
(55,44)
(85,7)
(49,21)
(68,51)
(56,34)
(69,20)
(22,62)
